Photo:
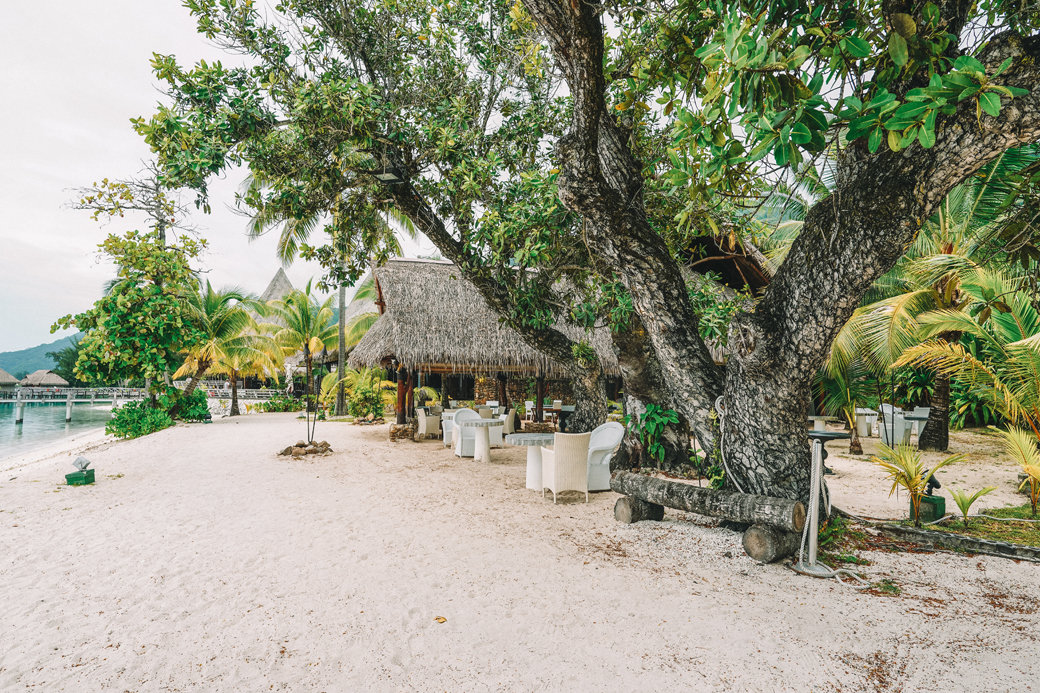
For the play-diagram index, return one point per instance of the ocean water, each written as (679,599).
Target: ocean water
(45,423)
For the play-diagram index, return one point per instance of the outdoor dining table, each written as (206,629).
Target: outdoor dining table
(917,418)
(482,443)
(533,442)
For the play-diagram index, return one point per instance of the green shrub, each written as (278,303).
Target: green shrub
(364,401)
(280,403)
(193,407)
(136,419)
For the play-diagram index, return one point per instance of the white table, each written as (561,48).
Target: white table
(482,444)
(533,442)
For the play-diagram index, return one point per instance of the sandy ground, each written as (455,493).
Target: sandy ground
(201,561)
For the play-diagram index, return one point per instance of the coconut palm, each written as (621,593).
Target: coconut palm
(222,317)
(249,355)
(301,324)
(846,386)
(1007,325)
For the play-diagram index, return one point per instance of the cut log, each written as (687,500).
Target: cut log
(767,544)
(782,513)
(629,510)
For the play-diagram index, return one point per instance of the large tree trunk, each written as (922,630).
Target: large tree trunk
(643,383)
(936,433)
(196,378)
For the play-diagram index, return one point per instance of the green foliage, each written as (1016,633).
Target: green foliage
(1022,447)
(65,362)
(649,427)
(138,328)
(904,468)
(969,407)
(714,308)
(365,400)
(964,501)
(136,419)
(192,406)
(280,403)
(913,386)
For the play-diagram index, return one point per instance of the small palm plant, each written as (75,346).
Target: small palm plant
(1021,446)
(965,501)
(903,466)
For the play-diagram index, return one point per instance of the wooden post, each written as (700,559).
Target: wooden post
(68,408)
(539,396)
(410,404)
(402,390)
(19,414)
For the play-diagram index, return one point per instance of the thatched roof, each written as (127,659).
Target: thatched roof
(42,378)
(7,379)
(278,288)
(435,320)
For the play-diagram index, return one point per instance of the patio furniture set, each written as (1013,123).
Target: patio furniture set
(575,462)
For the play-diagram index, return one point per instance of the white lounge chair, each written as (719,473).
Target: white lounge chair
(566,466)
(465,438)
(428,424)
(602,444)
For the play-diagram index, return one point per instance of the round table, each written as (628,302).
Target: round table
(482,443)
(822,437)
(533,442)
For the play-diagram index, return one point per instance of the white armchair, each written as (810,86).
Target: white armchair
(565,467)
(428,424)
(465,438)
(448,430)
(602,444)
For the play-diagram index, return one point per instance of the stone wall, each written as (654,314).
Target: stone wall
(520,389)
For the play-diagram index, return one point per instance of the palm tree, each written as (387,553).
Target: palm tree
(1007,324)
(302,324)
(222,317)
(248,355)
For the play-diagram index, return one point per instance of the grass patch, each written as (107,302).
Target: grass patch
(838,542)
(886,587)
(1027,533)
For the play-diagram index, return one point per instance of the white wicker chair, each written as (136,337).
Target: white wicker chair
(448,430)
(484,412)
(465,438)
(557,405)
(429,424)
(604,441)
(566,466)
(529,410)
(509,422)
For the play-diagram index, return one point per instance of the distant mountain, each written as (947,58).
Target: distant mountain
(19,363)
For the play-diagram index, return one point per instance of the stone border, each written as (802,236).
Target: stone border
(950,540)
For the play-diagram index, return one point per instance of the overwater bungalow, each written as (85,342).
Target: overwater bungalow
(7,381)
(44,378)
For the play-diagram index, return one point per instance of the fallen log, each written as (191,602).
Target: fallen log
(629,510)
(767,544)
(782,513)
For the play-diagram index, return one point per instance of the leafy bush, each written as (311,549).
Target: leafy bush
(136,419)
(280,403)
(193,407)
(365,400)
(650,426)
(969,407)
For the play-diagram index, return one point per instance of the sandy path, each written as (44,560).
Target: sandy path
(213,565)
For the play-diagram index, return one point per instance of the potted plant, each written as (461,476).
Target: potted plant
(903,466)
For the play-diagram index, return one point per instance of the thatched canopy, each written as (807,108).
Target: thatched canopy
(6,379)
(42,378)
(278,288)
(435,321)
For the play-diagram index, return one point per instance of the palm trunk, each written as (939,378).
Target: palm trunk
(936,433)
(341,357)
(234,393)
(196,378)
(307,395)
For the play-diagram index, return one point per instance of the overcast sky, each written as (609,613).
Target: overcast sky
(72,74)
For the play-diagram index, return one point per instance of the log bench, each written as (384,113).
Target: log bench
(775,523)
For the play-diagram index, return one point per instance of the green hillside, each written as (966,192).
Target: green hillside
(19,363)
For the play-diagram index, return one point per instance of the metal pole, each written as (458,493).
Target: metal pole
(19,414)
(68,408)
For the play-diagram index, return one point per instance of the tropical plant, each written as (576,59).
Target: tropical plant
(301,324)
(1022,447)
(965,501)
(136,419)
(904,468)
(65,362)
(222,318)
(650,425)
(425,394)
(1006,370)
(365,401)
(248,355)
(846,386)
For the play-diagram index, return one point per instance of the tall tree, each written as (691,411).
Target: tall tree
(225,323)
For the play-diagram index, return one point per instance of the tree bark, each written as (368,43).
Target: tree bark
(783,513)
(402,395)
(630,510)
(768,544)
(234,394)
(936,433)
(196,378)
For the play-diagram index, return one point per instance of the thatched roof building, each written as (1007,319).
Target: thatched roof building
(42,378)
(278,288)
(436,322)
(7,380)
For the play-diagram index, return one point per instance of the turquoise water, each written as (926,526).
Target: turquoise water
(44,424)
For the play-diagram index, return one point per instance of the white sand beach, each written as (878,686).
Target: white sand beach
(201,561)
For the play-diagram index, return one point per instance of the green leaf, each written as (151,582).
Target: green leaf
(926,136)
(874,140)
(990,103)
(855,46)
(897,49)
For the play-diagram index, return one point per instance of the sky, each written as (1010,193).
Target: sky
(72,74)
